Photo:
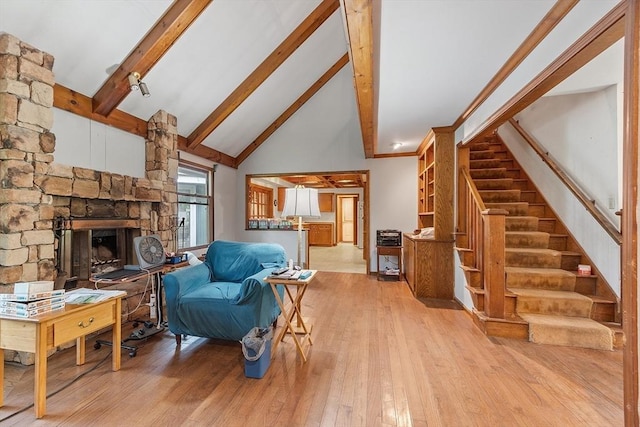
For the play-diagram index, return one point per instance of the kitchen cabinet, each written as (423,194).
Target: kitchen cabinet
(320,233)
(325,202)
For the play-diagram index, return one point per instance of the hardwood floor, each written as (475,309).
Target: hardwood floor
(379,358)
(342,258)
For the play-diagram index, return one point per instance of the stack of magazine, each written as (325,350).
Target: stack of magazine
(31,299)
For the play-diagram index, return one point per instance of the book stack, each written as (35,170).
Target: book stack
(31,299)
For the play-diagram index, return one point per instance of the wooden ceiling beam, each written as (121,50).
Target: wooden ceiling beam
(77,103)
(359,19)
(308,94)
(207,153)
(175,21)
(264,70)
(596,40)
(325,181)
(559,10)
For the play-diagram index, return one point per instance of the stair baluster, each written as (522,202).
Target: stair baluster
(485,236)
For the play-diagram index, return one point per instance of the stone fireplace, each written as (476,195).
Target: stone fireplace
(52,216)
(41,201)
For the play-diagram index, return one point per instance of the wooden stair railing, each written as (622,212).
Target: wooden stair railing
(484,234)
(588,203)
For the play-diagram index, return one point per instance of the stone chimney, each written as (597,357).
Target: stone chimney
(26,117)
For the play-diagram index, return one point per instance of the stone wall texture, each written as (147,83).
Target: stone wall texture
(35,191)
(26,117)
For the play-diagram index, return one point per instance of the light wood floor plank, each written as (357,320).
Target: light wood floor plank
(380,358)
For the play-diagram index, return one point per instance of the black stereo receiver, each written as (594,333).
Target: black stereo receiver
(389,238)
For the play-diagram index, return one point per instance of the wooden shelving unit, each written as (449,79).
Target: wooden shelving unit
(435,183)
(429,262)
(426,186)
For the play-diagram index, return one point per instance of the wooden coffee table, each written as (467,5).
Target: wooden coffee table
(49,330)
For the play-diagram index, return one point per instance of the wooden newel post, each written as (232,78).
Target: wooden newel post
(493,261)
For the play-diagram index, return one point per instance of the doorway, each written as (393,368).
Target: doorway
(347,218)
(348,257)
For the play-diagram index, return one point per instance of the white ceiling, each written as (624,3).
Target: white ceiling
(435,57)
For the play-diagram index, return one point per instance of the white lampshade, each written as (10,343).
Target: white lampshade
(300,201)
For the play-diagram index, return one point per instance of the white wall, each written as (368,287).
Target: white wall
(89,144)
(324,136)
(579,132)
(394,198)
(582,17)
(602,250)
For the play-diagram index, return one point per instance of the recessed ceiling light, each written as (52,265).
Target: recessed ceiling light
(396,145)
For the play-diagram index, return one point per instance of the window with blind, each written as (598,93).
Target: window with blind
(195,208)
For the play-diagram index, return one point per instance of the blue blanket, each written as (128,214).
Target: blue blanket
(225,296)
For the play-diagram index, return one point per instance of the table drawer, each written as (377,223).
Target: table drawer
(82,323)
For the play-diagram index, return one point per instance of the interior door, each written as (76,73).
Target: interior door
(347,219)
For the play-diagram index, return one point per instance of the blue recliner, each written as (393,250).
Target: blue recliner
(225,296)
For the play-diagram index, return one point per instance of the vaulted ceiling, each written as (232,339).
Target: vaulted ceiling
(233,71)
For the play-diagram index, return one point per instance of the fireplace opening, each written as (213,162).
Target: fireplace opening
(92,246)
(104,251)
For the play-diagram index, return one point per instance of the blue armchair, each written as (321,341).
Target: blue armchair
(226,295)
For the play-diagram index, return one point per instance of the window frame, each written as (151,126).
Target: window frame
(268,205)
(210,173)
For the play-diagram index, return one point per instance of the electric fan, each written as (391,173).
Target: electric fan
(149,251)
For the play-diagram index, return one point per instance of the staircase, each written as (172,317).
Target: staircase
(545,300)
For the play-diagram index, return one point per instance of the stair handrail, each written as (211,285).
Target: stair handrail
(485,229)
(588,203)
(472,188)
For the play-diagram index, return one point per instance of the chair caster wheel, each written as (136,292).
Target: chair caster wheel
(132,354)
(97,346)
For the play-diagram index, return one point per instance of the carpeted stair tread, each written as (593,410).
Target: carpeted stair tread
(532,257)
(514,208)
(568,331)
(493,183)
(526,239)
(481,154)
(521,223)
(544,301)
(485,163)
(540,278)
(480,146)
(499,196)
(488,173)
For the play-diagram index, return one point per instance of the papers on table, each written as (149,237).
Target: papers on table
(89,296)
